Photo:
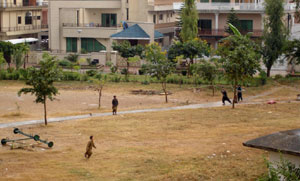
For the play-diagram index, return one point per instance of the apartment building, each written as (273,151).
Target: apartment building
(23,18)
(213,17)
(92,25)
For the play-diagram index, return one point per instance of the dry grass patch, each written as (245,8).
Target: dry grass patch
(201,144)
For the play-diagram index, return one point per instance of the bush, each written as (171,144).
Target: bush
(124,71)
(91,73)
(23,74)
(278,76)
(84,77)
(64,63)
(145,82)
(263,77)
(3,75)
(71,76)
(115,78)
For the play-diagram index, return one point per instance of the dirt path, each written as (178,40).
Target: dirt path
(193,106)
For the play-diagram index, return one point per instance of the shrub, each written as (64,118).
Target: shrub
(71,76)
(278,76)
(84,77)
(3,75)
(23,74)
(115,78)
(91,73)
(124,71)
(263,77)
(64,63)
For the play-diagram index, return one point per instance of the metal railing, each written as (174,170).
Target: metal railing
(235,6)
(23,28)
(223,33)
(93,25)
(27,4)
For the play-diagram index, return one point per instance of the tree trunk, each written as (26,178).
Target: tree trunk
(164,86)
(213,89)
(268,71)
(127,73)
(234,96)
(45,110)
(100,95)
(26,59)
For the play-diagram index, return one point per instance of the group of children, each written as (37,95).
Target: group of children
(239,95)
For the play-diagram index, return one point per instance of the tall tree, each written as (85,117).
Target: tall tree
(7,49)
(234,20)
(190,50)
(42,81)
(239,58)
(158,65)
(189,18)
(20,52)
(274,35)
(2,60)
(292,53)
(128,52)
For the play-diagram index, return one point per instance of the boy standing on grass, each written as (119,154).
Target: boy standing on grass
(89,148)
(115,104)
(225,97)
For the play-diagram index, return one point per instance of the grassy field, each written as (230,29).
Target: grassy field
(202,144)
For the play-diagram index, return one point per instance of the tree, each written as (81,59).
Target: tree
(2,60)
(7,49)
(100,81)
(189,18)
(292,53)
(208,71)
(129,53)
(20,52)
(158,65)
(41,81)
(239,58)
(234,20)
(274,35)
(190,50)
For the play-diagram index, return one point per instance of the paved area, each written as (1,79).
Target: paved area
(193,106)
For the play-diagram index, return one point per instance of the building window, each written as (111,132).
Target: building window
(28,18)
(221,1)
(204,1)
(109,20)
(204,24)
(127,14)
(161,17)
(15,2)
(71,44)
(38,17)
(19,20)
(246,25)
(154,19)
(91,45)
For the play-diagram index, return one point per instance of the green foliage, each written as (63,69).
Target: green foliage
(64,63)
(239,58)
(91,73)
(71,76)
(128,52)
(158,65)
(72,57)
(284,170)
(2,60)
(234,20)
(189,18)
(275,33)
(7,49)
(19,52)
(41,81)
(292,53)
(113,68)
(83,51)
(263,77)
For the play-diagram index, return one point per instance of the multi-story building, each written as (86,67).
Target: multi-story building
(92,25)
(213,17)
(22,19)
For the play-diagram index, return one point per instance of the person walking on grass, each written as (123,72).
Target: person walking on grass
(240,95)
(225,97)
(89,148)
(115,104)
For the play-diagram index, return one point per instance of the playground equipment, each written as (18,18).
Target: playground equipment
(29,137)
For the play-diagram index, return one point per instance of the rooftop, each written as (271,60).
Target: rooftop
(287,142)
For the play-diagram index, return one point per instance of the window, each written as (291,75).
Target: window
(246,25)
(161,17)
(204,1)
(109,20)
(19,20)
(154,19)
(127,14)
(28,18)
(204,24)
(38,17)
(91,45)
(71,44)
(15,2)
(221,1)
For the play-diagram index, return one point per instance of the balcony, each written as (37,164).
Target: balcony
(23,29)
(223,33)
(89,30)
(24,4)
(248,7)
